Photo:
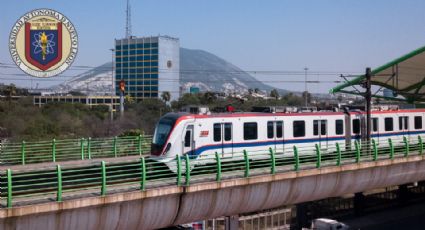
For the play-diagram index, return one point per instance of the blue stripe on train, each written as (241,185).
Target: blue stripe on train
(201,149)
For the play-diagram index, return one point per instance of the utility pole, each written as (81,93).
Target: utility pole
(368,98)
(112,85)
(122,90)
(305,86)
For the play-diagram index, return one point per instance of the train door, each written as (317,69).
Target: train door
(188,143)
(275,135)
(223,136)
(227,139)
(403,125)
(375,129)
(320,129)
(271,131)
(280,141)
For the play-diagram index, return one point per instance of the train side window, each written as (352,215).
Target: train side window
(418,122)
(375,124)
(187,139)
(339,127)
(250,131)
(279,129)
(270,131)
(299,128)
(227,131)
(323,126)
(315,127)
(356,126)
(389,124)
(217,132)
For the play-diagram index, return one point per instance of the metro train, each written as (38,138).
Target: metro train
(201,136)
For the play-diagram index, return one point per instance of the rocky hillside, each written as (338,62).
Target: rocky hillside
(197,68)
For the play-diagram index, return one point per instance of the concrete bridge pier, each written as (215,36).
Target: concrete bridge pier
(403,194)
(302,219)
(232,222)
(358,203)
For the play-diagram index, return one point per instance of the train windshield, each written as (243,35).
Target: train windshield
(162,131)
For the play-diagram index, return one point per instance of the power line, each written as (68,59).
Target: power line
(179,80)
(267,72)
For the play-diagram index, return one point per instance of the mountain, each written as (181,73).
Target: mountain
(96,81)
(211,73)
(197,68)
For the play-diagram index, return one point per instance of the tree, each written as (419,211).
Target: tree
(166,96)
(256,90)
(10,91)
(209,97)
(274,93)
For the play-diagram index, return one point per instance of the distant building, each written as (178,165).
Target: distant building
(194,90)
(148,65)
(87,100)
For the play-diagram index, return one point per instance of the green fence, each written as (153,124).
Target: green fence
(59,183)
(73,149)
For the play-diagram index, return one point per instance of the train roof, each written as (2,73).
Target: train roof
(256,114)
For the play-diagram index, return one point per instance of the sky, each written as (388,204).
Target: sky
(329,37)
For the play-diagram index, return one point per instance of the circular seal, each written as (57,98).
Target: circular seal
(43,43)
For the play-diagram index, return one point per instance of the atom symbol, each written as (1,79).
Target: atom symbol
(38,45)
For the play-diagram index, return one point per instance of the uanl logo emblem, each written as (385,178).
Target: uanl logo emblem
(43,43)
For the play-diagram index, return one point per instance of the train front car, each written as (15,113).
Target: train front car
(166,141)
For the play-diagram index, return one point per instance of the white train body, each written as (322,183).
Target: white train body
(201,136)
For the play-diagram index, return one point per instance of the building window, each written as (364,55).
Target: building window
(279,129)
(418,122)
(339,127)
(217,132)
(250,131)
(227,131)
(299,128)
(389,124)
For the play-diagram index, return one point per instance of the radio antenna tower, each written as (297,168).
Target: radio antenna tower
(128,20)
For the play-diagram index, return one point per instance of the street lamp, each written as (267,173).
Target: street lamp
(112,85)
(305,85)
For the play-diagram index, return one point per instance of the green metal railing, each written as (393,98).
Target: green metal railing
(60,183)
(73,149)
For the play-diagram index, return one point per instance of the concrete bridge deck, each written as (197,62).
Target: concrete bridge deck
(158,207)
